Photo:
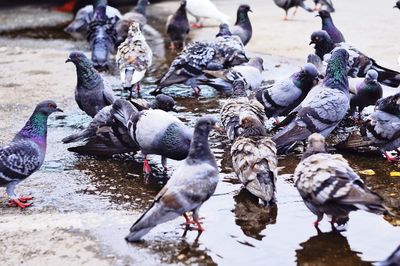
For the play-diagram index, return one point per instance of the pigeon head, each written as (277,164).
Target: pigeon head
(306,78)
(316,144)
(134,31)
(336,72)
(390,104)
(163,102)
(256,62)
(323,43)
(224,30)
(319,37)
(251,126)
(141,6)
(86,74)
(183,3)
(78,58)
(372,74)
(205,124)
(242,14)
(47,108)
(324,14)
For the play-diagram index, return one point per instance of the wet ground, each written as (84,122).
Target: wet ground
(84,206)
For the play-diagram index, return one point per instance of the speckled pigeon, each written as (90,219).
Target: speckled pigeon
(254,159)
(285,95)
(178,27)
(138,14)
(328,185)
(288,4)
(25,153)
(102,37)
(134,57)
(329,27)
(242,27)
(322,109)
(359,63)
(90,93)
(193,183)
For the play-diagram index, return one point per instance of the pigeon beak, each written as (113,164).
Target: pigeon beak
(317,15)
(250,10)
(174,110)
(59,110)
(394,6)
(218,128)
(68,60)
(312,42)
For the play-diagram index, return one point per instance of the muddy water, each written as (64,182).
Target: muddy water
(100,199)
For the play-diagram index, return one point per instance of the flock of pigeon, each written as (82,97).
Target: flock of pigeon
(314,101)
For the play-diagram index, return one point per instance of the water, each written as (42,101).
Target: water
(103,197)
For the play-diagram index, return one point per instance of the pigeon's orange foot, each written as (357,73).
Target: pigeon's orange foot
(18,203)
(25,199)
(146,167)
(197,25)
(68,7)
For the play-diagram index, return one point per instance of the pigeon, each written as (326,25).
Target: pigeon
(368,92)
(282,97)
(201,9)
(254,159)
(193,183)
(138,14)
(105,136)
(242,27)
(225,52)
(359,63)
(133,58)
(394,259)
(79,26)
(222,80)
(178,27)
(288,4)
(25,154)
(328,185)
(90,93)
(102,37)
(329,27)
(322,109)
(319,4)
(157,132)
(397,5)
(239,104)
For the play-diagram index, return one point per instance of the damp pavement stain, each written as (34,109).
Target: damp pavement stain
(84,206)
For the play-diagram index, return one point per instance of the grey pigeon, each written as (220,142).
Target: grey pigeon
(225,52)
(90,93)
(238,105)
(328,185)
(105,136)
(25,153)
(193,182)
(79,26)
(254,159)
(327,4)
(328,26)
(242,27)
(322,109)
(394,258)
(397,5)
(102,37)
(134,58)
(157,132)
(178,27)
(222,80)
(359,63)
(367,93)
(288,4)
(138,14)
(285,95)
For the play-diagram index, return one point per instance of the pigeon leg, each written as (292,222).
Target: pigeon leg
(172,46)
(317,7)
(295,11)
(138,87)
(146,166)
(164,164)
(15,200)
(198,24)
(187,220)
(196,91)
(285,18)
(196,220)
(319,219)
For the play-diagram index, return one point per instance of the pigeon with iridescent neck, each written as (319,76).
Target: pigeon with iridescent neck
(242,27)
(25,153)
(285,95)
(328,26)
(90,93)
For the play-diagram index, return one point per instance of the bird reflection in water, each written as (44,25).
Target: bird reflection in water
(252,217)
(330,248)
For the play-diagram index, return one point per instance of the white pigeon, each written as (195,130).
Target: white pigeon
(201,9)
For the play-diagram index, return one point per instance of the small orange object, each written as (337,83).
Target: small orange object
(68,7)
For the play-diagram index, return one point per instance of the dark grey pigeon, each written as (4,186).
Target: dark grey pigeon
(90,93)
(242,27)
(367,93)
(102,37)
(326,4)
(157,132)
(397,5)
(25,153)
(329,186)
(178,27)
(193,183)
(322,109)
(328,26)
(288,4)
(285,95)
(394,259)
(359,63)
